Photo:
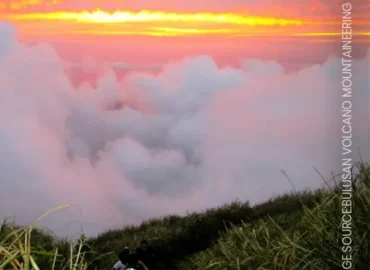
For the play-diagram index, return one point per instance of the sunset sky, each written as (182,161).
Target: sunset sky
(134,109)
(296,33)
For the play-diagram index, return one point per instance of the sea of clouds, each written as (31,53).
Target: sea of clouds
(192,136)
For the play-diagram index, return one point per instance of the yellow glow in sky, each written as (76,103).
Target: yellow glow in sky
(161,23)
(99,16)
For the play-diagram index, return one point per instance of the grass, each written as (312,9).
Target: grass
(307,239)
(293,231)
(29,248)
(178,237)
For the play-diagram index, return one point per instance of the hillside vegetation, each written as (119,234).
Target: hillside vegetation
(293,231)
(307,239)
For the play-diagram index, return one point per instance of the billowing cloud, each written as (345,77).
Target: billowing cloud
(189,137)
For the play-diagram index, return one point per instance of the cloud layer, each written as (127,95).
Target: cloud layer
(190,137)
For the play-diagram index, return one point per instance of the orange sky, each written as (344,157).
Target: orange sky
(236,18)
(171,29)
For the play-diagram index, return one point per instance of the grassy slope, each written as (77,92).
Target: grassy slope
(289,232)
(177,237)
(309,239)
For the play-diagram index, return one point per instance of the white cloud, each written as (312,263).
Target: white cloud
(191,137)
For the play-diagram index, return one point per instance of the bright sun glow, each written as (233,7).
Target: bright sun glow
(162,23)
(100,16)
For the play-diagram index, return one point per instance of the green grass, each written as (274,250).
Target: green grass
(178,237)
(26,248)
(307,239)
(293,231)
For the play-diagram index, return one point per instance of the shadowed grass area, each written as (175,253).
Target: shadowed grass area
(294,231)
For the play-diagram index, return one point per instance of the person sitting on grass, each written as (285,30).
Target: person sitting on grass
(146,254)
(128,260)
(119,266)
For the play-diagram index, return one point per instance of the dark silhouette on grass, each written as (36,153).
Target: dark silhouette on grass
(129,259)
(146,254)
